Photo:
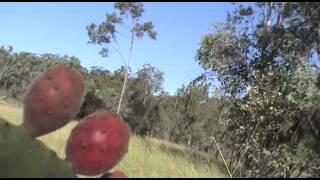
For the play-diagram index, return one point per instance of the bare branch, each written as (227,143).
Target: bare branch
(225,163)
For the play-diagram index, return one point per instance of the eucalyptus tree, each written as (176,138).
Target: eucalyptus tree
(106,34)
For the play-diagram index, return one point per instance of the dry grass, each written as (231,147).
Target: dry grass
(147,157)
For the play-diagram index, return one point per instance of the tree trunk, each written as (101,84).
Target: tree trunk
(126,72)
(123,89)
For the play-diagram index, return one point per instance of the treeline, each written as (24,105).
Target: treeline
(188,117)
(266,116)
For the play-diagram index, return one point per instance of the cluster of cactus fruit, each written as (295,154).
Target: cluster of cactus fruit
(95,145)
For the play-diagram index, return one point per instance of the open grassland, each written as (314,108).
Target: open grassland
(147,157)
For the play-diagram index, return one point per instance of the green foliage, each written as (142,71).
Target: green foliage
(268,67)
(127,19)
(265,58)
(107,32)
(18,70)
(103,87)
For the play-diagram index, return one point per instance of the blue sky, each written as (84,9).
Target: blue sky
(59,28)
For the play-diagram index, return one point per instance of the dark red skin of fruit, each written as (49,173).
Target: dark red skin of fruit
(115,174)
(52,100)
(97,143)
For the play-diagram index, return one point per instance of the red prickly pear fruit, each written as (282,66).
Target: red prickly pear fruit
(53,100)
(115,174)
(97,143)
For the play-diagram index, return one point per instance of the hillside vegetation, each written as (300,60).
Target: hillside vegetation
(258,94)
(147,157)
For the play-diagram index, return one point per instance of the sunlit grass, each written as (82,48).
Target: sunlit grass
(147,157)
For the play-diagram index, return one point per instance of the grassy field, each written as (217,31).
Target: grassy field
(147,157)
